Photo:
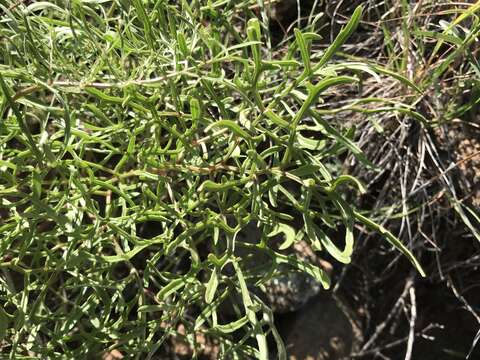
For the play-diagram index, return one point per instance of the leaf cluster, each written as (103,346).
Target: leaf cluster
(137,141)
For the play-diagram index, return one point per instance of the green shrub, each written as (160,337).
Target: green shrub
(138,139)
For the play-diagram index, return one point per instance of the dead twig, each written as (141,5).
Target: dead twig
(413,318)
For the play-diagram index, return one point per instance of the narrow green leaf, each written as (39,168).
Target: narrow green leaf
(341,38)
(349,144)
(305,170)
(339,255)
(211,286)
(277,120)
(310,144)
(289,233)
(147,25)
(315,91)
(317,273)
(231,327)
(213,186)
(303,46)
(254,35)
(231,125)
(126,256)
(170,288)
(195,110)
(247,302)
(151,308)
(392,239)
(345,179)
